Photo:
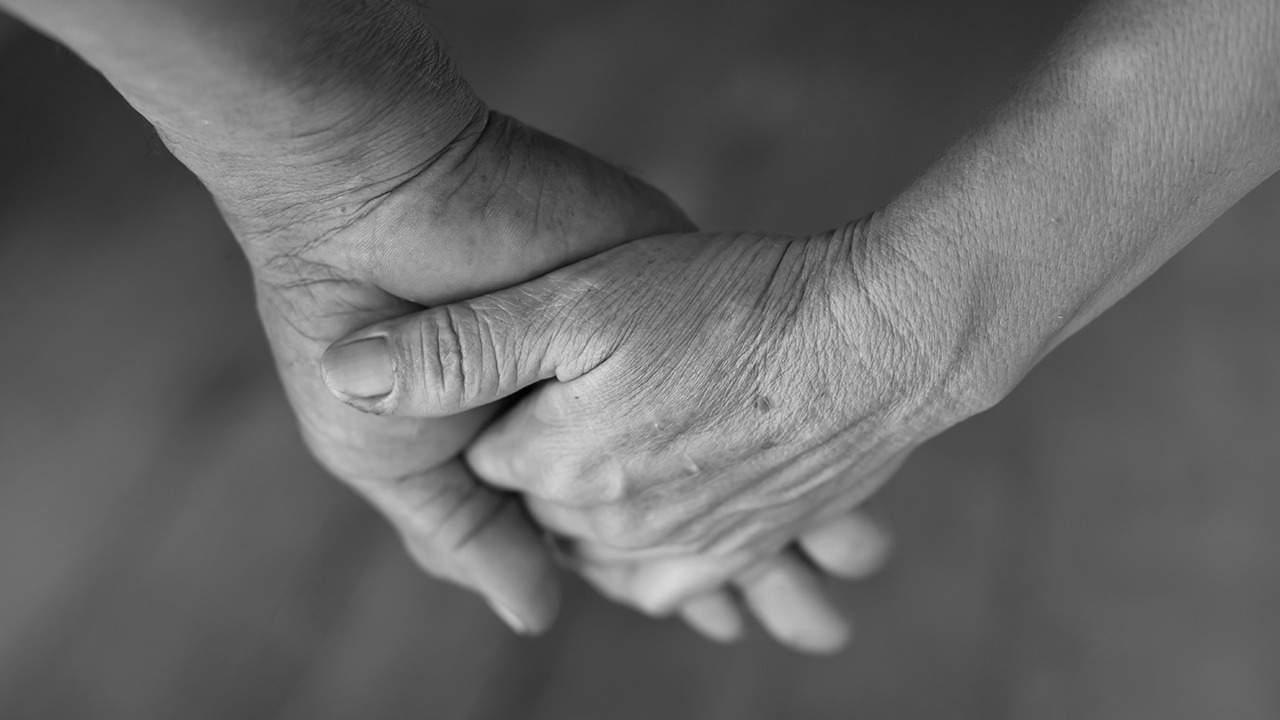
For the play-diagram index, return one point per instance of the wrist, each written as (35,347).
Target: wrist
(353,103)
(500,204)
(277,105)
(911,311)
(974,328)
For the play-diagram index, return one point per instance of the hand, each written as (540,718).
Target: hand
(312,290)
(453,526)
(712,395)
(783,591)
(361,174)
(501,204)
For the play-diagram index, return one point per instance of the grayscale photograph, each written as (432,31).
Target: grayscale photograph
(639,360)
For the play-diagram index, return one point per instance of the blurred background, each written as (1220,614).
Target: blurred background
(1104,544)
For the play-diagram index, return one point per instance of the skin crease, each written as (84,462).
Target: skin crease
(710,331)
(645,437)
(364,181)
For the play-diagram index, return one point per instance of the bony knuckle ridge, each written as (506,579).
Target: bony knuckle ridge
(626,527)
(564,483)
(577,481)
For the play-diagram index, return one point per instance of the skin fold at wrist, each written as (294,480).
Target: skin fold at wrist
(280,107)
(919,313)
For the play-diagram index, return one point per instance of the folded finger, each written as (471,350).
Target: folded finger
(457,528)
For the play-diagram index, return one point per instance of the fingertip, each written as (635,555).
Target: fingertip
(789,602)
(832,641)
(481,539)
(714,616)
(511,619)
(513,570)
(851,547)
(661,585)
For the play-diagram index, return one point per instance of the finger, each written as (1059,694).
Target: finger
(661,585)
(572,523)
(715,616)
(533,445)
(850,546)
(787,599)
(553,445)
(582,525)
(452,358)
(465,532)
(658,586)
(612,580)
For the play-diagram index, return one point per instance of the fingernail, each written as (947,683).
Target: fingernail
(360,369)
(508,617)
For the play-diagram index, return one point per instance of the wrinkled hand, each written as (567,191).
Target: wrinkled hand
(782,590)
(364,179)
(500,204)
(707,398)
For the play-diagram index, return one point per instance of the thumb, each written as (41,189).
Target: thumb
(456,357)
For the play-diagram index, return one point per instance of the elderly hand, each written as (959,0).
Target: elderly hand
(710,398)
(705,396)
(515,203)
(364,179)
(500,204)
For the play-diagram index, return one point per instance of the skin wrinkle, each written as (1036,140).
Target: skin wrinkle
(460,357)
(679,527)
(784,510)
(298,218)
(291,271)
(490,353)
(427,364)
(891,321)
(1014,232)
(372,447)
(571,318)
(784,281)
(1036,279)
(462,151)
(331,84)
(436,502)
(676,520)
(288,319)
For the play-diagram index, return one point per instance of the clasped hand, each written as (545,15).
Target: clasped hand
(719,404)
(696,411)
(697,401)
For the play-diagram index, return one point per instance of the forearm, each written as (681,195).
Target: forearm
(1147,122)
(239,88)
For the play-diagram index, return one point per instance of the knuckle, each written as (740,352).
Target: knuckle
(451,349)
(560,483)
(579,481)
(427,557)
(444,514)
(461,350)
(625,526)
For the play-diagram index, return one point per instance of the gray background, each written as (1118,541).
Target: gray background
(1104,544)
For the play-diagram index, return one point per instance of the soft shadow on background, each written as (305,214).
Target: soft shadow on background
(1104,544)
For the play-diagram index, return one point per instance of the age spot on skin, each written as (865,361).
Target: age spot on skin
(763,404)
